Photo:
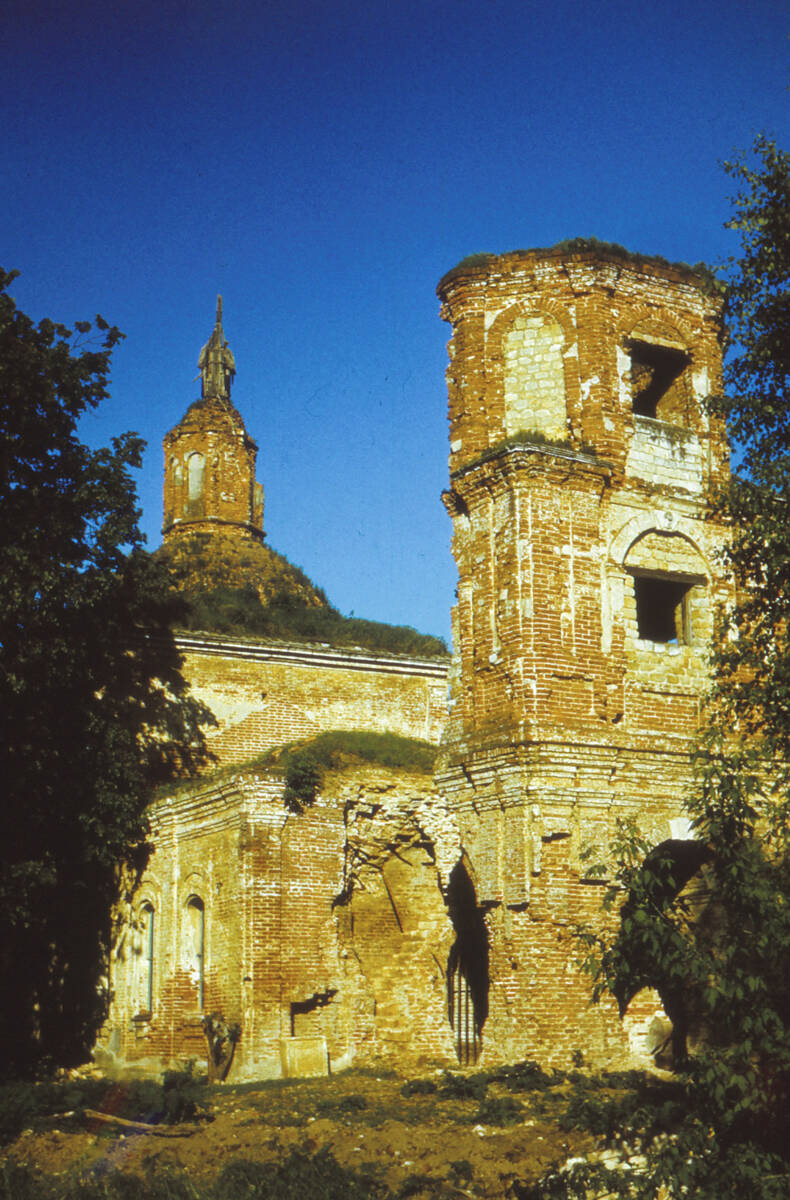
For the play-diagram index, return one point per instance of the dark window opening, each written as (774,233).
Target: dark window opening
(662,609)
(147,917)
(657,386)
(467,967)
(196,915)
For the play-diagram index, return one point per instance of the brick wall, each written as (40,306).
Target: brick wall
(588,577)
(328,924)
(581,469)
(266,694)
(209,474)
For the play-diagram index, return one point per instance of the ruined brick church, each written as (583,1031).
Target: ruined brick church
(429,920)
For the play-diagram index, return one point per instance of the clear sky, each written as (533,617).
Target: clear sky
(322,163)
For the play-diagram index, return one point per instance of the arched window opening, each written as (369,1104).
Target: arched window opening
(673,867)
(147,919)
(196,469)
(196,930)
(467,967)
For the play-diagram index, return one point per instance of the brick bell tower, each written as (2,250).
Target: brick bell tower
(582,463)
(210,481)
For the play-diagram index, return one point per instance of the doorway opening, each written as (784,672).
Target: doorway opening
(467,967)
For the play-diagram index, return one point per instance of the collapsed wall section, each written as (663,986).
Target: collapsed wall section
(325,934)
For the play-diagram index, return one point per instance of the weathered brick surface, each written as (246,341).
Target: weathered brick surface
(566,712)
(588,578)
(330,924)
(210,471)
(266,694)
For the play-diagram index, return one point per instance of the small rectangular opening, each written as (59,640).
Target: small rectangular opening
(657,385)
(662,611)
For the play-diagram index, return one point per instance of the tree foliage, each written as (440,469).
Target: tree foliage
(94,708)
(717,945)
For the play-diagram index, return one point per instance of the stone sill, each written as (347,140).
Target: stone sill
(667,429)
(670,648)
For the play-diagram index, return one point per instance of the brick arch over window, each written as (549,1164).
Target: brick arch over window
(673,552)
(534,380)
(667,598)
(661,522)
(648,321)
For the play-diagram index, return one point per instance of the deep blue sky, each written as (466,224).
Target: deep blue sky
(322,165)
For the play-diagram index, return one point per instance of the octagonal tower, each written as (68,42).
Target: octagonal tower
(210,457)
(582,467)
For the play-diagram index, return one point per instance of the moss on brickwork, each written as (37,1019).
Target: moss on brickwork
(702,274)
(239,611)
(202,563)
(304,764)
(531,439)
(237,585)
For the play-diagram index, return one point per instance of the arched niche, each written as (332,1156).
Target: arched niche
(196,944)
(534,375)
(196,472)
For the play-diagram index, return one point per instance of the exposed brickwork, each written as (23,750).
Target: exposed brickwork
(581,469)
(267,694)
(209,456)
(330,924)
(210,472)
(587,582)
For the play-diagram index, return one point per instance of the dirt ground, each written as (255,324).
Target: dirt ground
(420,1145)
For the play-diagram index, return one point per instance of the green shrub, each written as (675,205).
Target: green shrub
(526,1077)
(342,1104)
(23,1102)
(20,1104)
(181,1096)
(461,1171)
(299,1177)
(500,1110)
(303,777)
(619,1111)
(185,1096)
(463,1087)
(418,1087)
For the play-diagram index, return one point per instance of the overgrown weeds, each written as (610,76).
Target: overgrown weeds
(180,1096)
(300,1175)
(305,763)
(463,1087)
(239,611)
